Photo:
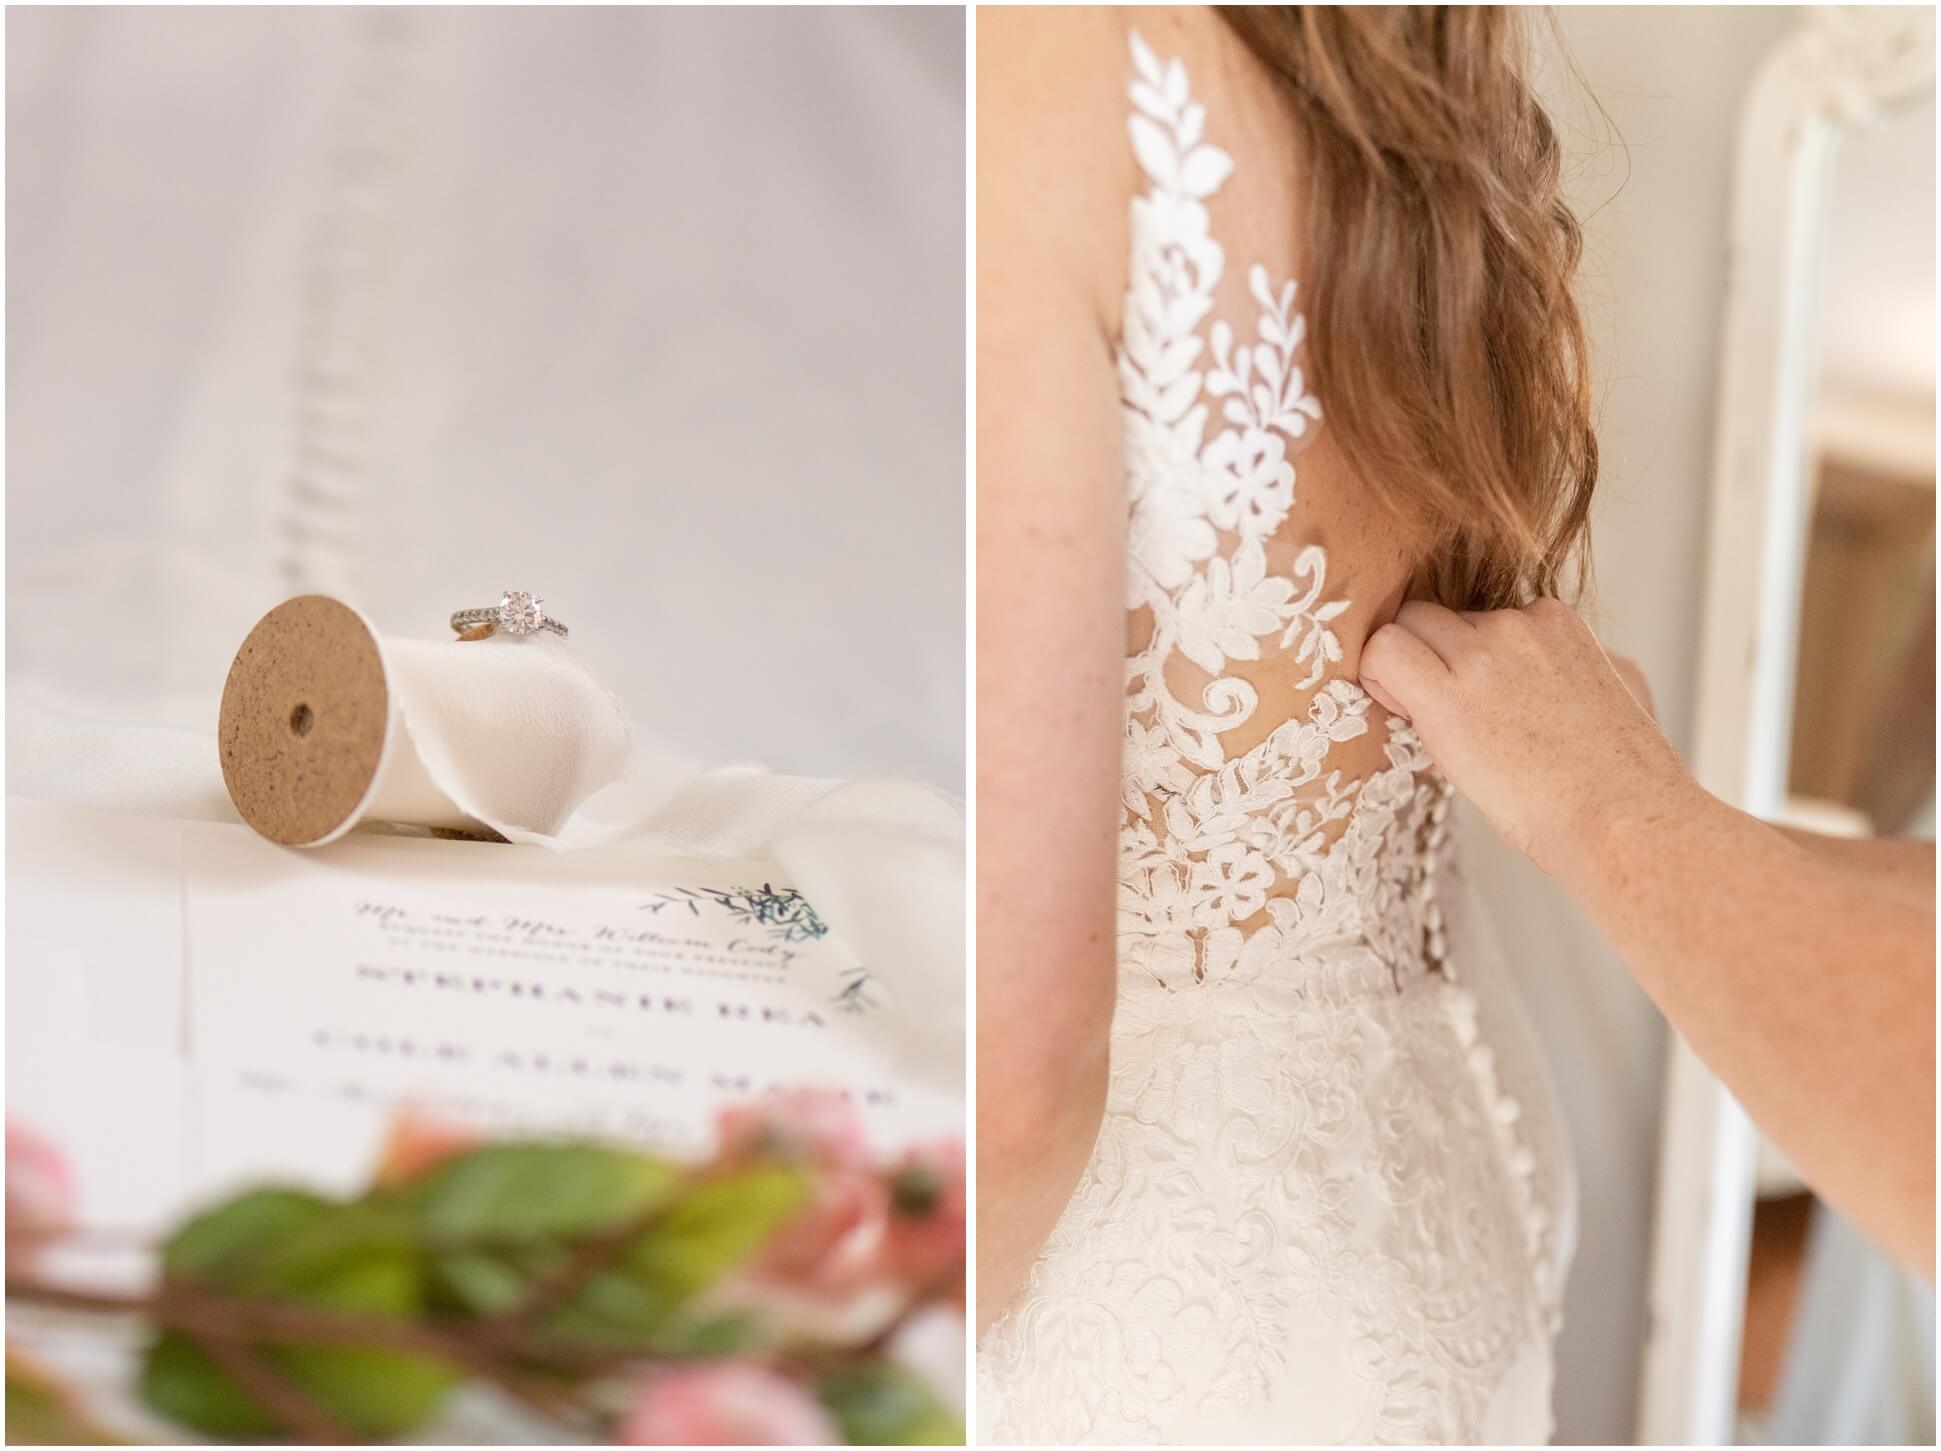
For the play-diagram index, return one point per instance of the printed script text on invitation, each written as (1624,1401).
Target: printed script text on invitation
(605,995)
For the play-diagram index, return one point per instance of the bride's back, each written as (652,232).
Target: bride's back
(1329,1199)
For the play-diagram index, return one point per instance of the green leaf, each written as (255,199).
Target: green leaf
(378,1393)
(39,1413)
(226,1242)
(501,1217)
(374,1393)
(265,1241)
(713,1228)
(480,1283)
(472,1236)
(510,1195)
(298,1248)
(703,1235)
(180,1381)
(615,1307)
(537,1191)
(709,1336)
(879,1404)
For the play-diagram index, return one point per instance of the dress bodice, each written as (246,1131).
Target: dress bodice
(1217,845)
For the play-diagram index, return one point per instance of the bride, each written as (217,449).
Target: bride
(1275,331)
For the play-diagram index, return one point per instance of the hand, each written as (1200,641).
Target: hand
(1530,718)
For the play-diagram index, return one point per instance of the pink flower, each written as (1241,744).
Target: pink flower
(833,1243)
(725,1403)
(417,1144)
(40,1187)
(927,1213)
(805,1123)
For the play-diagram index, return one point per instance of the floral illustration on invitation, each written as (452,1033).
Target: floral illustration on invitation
(784,911)
(789,917)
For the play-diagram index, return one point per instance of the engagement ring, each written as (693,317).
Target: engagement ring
(516,613)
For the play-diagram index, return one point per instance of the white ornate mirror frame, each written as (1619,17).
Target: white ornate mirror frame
(1840,70)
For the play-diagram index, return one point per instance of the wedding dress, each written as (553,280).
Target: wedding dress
(1331,1200)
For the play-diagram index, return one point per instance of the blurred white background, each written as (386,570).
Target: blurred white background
(659,313)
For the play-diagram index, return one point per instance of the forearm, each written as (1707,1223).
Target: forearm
(1046,991)
(1809,991)
(1901,866)
(1053,242)
(1808,988)
(1036,1125)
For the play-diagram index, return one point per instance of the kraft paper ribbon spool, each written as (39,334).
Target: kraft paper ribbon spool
(325,724)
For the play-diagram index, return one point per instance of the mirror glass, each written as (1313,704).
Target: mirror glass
(1838,1345)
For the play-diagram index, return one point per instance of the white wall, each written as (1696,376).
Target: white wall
(1654,198)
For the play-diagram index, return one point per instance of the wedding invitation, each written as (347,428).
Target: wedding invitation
(607,994)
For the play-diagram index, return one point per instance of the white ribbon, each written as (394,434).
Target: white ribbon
(519,735)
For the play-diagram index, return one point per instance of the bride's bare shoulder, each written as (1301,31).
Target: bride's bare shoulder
(1066,62)
(1054,171)
(1052,80)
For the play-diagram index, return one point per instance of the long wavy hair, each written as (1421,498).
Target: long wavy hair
(1445,336)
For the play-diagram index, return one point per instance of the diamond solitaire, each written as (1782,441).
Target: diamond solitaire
(518,613)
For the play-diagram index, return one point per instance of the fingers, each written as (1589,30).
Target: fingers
(1415,662)
(1443,630)
(1401,671)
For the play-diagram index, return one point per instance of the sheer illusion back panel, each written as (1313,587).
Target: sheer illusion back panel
(1251,595)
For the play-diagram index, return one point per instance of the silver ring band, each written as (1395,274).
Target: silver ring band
(518,612)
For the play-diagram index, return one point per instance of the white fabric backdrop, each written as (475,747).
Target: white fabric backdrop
(663,317)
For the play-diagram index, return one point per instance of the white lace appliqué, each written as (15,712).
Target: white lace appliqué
(1207,840)
(1311,1213)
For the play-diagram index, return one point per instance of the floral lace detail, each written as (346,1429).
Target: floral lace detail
(1312,1213)
(1207,841)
